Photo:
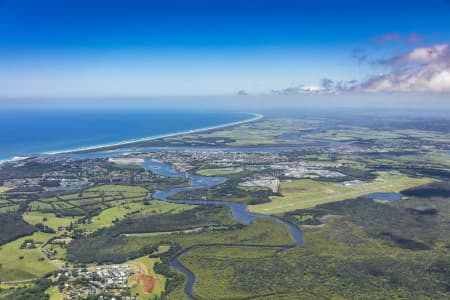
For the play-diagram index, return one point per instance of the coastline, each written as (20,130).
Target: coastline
(15,158)
(125,143)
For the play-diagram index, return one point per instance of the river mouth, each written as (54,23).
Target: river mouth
(239,212)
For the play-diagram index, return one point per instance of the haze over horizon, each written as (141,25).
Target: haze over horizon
(57,51)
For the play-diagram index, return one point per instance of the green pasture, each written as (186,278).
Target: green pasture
(20,264)
(306,193)
(108,216)
(49,219)
(220,171)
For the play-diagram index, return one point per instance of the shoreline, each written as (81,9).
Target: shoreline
(15,158)
(95,148)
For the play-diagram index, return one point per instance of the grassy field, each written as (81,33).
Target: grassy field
(33,263)
(3,189)
(439,158)
(52,221)
(9,209)
(108,216)
(61,251)
(54,293)
(352,133)
(99,197)
(306,193)
(219,171)
(425,135)
(263,132)
(146,264)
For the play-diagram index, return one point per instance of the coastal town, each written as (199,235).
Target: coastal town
(78,174)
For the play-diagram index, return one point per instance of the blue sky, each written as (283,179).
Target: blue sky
(57,48)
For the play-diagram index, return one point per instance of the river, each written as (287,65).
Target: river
(239,211)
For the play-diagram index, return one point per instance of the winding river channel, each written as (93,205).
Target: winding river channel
(239,211)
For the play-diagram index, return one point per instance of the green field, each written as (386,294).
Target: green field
(263,132)
(61,251)
(109,216)
(9,209)
(306,193)
(220,171)
(91,199)
(54,293)
(52,221)
(32,265)
(352,133)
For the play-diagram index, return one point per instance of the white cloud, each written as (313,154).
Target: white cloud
(422,55)
(425,69)
(301,89)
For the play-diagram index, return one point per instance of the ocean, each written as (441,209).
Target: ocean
(26,132)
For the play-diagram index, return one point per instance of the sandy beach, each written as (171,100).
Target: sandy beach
(255,117)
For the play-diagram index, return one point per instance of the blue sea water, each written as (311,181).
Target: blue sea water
(26,132)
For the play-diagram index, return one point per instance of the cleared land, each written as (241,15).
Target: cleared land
(110,216)
(54,293)
(20,264)
(146,283)
(12,208)
(220,171)
(306,193)
(92,199)
(264,132)
(352,133)
(49,219)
